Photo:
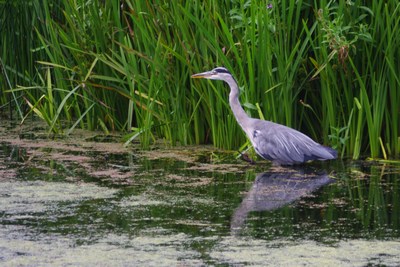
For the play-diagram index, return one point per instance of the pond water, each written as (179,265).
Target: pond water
(98,204)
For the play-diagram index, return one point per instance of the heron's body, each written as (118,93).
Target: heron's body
(275,142)
(283,145)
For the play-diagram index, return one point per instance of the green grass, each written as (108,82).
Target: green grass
(326,68)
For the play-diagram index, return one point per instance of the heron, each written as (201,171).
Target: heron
(272,141)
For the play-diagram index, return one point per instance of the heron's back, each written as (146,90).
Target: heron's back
(284,145)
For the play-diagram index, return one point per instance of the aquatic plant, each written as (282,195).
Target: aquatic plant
(327,68)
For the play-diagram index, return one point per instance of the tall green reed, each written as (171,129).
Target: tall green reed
(17,51)
(356,75)
(327,68)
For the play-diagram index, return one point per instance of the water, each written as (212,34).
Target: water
(70,203)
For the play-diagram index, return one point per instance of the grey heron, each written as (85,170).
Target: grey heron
(275,142)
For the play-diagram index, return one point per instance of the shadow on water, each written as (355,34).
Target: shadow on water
(95,205)
(275,189)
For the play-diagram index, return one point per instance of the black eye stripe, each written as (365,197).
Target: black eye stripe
(221,70)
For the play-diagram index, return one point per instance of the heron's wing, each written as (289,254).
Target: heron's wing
(285,145)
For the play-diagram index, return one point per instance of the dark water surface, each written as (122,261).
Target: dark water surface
(67,207)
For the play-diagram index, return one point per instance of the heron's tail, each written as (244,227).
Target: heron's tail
(326,153)
(331,151)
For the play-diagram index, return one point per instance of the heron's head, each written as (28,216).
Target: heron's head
(218,73)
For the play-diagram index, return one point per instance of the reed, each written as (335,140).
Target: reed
(327,68)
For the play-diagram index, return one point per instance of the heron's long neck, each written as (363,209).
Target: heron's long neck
(240,115)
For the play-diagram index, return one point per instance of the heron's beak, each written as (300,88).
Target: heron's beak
(206,74)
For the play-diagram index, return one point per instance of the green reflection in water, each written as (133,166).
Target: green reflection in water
(195,215)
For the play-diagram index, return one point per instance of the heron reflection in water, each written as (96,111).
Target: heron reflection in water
(276,188)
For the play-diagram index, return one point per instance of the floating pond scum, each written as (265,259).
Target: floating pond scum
(85,203)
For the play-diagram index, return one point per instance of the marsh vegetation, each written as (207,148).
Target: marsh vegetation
(327,68)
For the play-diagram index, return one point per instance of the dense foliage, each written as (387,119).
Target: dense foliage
(327,68)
